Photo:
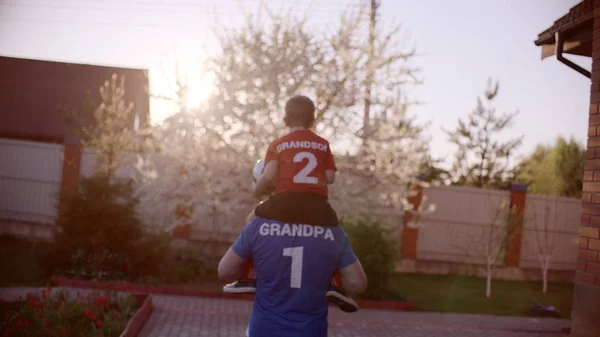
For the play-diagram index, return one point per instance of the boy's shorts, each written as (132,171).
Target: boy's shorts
(299,207)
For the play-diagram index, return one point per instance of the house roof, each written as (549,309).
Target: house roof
(31,92)
(576,27)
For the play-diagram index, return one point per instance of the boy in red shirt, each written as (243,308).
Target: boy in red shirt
(299,166)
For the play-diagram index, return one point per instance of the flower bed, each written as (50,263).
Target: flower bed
(62,314)
(184,291)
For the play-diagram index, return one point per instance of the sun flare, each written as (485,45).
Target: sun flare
(165,101)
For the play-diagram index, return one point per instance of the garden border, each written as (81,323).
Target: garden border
(184,291)
(137,321)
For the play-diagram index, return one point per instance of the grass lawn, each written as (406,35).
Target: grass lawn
(18,262)
(464,294)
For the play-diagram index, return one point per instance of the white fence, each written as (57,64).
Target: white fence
(30,177)
(31,172)
(551,226)
(462,213)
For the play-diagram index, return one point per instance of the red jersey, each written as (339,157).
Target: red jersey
(303,158)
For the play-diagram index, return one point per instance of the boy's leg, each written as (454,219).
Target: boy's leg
(246,284)
(338,295)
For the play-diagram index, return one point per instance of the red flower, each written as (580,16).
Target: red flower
(117,314)
(102,300)
(56,306)
(47,325)
(48,287)
(89,315)
(98,324)
(19,324)
(64,331)
(8,332)
(44,294)
(26,323)
(40,314)
(35,303)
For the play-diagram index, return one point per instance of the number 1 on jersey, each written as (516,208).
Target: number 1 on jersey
(296,254)
(302,176)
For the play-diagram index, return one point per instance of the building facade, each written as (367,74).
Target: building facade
(578,33)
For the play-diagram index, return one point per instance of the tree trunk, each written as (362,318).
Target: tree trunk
(545,267)
(488,281)
(369,76)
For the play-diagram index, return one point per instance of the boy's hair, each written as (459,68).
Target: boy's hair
(299,111)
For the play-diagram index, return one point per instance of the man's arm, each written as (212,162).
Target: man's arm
(230,266)
(354,278)
(232,263)
(267,179)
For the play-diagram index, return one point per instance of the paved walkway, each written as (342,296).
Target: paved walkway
(179,316)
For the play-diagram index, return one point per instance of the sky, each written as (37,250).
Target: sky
(461,44)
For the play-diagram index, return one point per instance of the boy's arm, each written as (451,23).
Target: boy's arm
(267,179)
(330,167)
(330,175)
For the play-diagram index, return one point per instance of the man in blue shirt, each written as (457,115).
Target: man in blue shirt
(294,264)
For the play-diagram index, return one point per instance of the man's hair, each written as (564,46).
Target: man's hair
(299,111)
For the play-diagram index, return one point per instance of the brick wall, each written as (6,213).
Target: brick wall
(588,266)
(584,317)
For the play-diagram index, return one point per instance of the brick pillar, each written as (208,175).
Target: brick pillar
(410,236)
(70,171)
(182,231)
(518,195)
(585,317)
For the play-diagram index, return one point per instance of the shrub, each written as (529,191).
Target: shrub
(99,233)
(100,217)
(19,261)
(377,252)
(186,265)
(149,255)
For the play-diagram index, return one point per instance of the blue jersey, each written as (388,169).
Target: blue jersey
(294,264)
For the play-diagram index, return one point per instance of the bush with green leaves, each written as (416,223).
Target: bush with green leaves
(377,252)
(99,231)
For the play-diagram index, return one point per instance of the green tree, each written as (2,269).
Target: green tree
(109,127)
(430,171)
(482,160)
(554,170)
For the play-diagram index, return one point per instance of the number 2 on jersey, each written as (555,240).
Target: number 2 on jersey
(296,254)
(302,176)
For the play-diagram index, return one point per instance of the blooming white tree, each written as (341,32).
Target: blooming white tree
(259,66)
(196,178)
